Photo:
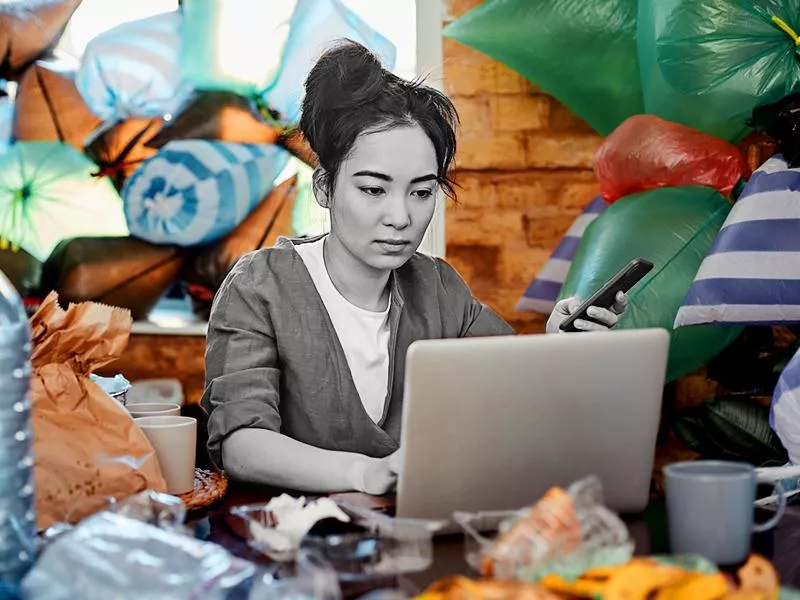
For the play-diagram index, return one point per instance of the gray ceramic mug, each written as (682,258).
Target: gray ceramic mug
(710,509)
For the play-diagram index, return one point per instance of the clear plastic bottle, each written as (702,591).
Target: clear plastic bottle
(17,516)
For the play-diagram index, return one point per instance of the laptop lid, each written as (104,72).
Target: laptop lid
(493,423)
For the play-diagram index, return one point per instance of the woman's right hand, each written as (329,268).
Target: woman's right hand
(378,476)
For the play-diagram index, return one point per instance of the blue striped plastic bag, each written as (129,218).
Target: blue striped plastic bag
(784,416)
(132,70)
(542,293)
(194,192)
(751,274)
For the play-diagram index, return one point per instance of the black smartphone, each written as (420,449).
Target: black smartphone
(624,280)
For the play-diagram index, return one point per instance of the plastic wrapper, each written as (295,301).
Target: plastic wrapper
(542,293)
(194,192)
(709,64)
(566,532)
(673,228)
(222,116)
(261,228)
(50,108)
(119,147)
(371,545)
(784,415)
(111,555)
(28,29)
(647,152)
(85,444)
(125,272)
(583,52)
(780,122)
(116,387)
(48,193)
(750,275)
(132,69)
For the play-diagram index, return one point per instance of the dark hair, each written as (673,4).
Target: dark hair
(349,92)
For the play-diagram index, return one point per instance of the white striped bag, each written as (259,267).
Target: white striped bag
(751,274)
(784,416)
(195,191)
(132,70)
(542,293)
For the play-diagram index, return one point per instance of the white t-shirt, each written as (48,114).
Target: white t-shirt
(363,334)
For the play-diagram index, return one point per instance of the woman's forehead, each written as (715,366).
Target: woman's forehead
(400,152)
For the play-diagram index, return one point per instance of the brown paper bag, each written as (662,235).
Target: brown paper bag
(86,446)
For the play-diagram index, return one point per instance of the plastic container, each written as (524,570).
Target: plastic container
(371,546)
(17,517)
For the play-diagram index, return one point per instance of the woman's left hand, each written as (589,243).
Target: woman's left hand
(606,317)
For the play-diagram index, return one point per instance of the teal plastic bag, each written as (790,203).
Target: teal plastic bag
(673,228)
(707,64)
(583,52)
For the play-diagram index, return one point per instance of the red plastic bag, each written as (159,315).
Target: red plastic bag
(646,152)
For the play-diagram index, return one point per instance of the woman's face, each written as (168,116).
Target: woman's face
(384,196)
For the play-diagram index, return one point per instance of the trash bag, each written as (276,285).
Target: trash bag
(132,70)
(48,193)
(314,25)
(647,152)
(119,147)
(542,293)
(125,272)
(784,415)
(780,121)
(193,192)
(261,228)
(222,38)
(28,29)
(7,110)
(583,52)
(50,108)
(222,116)
(708,64)
(22,270)
(751,274)
(673,228)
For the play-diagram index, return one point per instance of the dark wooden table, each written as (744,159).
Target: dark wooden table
(648,529)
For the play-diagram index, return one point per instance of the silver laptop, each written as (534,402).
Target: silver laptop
(493,423)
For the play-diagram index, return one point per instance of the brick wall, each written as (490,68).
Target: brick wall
(524,164)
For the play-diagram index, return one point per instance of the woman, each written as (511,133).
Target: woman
(307,340)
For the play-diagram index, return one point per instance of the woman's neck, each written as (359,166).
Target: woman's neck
(360,284)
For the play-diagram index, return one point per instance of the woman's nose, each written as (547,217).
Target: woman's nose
(397,214)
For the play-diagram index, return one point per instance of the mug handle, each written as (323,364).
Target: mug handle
(781,493)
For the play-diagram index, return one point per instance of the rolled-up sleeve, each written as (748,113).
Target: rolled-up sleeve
(475,318)
(242,385)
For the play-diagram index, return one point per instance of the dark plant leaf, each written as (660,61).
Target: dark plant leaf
(741,425)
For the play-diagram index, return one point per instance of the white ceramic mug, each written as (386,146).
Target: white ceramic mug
(154,409)
(174,440)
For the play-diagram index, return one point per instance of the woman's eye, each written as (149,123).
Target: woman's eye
(424,193)
(372,191)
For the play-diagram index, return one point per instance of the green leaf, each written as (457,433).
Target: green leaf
(674,229)
(744,425)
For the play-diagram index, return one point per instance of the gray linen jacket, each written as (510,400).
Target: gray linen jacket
(274,361)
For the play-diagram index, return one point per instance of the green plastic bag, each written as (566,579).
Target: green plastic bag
(583,52)
(673,228)
(707,64)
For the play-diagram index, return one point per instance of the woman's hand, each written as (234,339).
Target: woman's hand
(607,317)
(379,475)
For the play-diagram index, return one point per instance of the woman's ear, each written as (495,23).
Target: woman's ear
(320,180)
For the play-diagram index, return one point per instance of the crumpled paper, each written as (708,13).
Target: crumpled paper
(86,445)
